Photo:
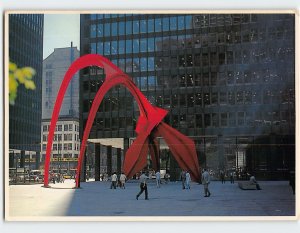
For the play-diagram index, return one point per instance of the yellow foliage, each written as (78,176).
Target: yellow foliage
(19,76)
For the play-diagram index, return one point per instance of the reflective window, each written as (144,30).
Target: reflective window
(107,29)
(114,29)
(151,82)
(93,48)
(143,83)
(100,16)
(151,64)
(129,65)
(100,48)
(122,64)
(128,27)
(173,23)
(188,22)
(143,64)
(136,27)
(136,46)
(136,65)
(121,28)
(181,24)
(100,30)
(166,23)
(150,44)
(158,25)
(93,31)
(93,16)
(114,47)
(121,46)
(143,45)
(107,48)
(158,43)
(143,26)
(128,46)
(150,25)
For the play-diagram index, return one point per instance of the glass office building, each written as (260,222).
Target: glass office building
(26,49)
(227,80)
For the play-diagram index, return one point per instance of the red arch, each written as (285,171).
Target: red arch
(151,117)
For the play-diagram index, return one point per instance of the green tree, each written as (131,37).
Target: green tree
(18,76)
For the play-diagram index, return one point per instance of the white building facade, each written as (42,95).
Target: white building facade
(66,143)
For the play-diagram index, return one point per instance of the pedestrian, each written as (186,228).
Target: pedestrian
(167,177)
(143,186)
(157,177)
(114,179)
(187,180)
(53,177)
(232,177)
(122,180)
(292,180)
(183,176)
(222,176)
(253,181)
(62,178)
(205,182)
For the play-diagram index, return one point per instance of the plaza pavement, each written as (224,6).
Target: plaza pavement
(97,199)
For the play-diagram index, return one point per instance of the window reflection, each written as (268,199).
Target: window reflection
(93,31)
(107,48)
(107,29)
(128,46)
(136,27)
(150,25)
(143,26)
(114,29)
(136,45)
(121,46)
(100,30)
(158,25)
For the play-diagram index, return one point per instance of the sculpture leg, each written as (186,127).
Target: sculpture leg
(182,148)
(136,156)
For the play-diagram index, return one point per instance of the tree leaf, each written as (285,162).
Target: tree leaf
(12,67)
(28,72)
(29,84)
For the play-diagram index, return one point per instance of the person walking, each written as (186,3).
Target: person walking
(232,177)
(122,180)
(143,186)
(187,180)
(222,176)
(205,182)
(292,180)
(183,176)
(157,176)
(114,179)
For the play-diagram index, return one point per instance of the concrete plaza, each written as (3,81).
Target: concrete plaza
(97,199)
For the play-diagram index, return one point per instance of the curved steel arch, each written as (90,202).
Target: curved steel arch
(148,127)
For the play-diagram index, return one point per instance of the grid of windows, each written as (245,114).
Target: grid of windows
(216,74)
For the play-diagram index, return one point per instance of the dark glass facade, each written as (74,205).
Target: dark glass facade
(227,80)
(26,49)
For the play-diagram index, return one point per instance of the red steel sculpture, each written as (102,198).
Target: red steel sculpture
(149,125)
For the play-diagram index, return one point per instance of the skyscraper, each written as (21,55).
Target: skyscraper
(26,49)
(227,80)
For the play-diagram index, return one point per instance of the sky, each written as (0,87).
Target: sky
(59,31)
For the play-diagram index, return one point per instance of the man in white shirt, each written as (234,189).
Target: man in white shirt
(143,186)
(122,180)
(187,180)
(205,182)
(157,176)
(114,179)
